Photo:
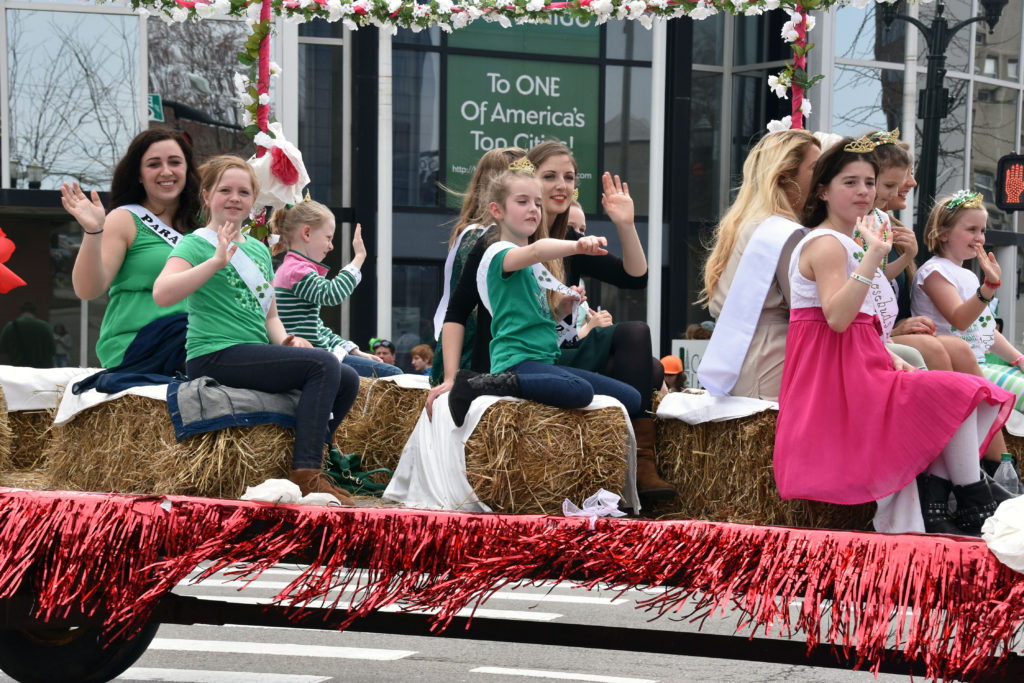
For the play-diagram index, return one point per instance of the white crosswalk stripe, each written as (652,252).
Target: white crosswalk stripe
(205,676)
(559,675)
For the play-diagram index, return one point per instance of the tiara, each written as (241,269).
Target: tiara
(864,145)
(883,138)
(965,199)
(522,164)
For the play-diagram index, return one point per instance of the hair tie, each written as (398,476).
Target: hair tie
(965,199)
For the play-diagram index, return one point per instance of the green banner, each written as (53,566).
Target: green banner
(520,103)
(565,35)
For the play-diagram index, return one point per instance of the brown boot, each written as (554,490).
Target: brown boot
(315,481)
(651,487)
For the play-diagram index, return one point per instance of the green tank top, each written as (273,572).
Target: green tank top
(131,305)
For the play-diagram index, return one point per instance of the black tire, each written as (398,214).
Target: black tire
(69,655)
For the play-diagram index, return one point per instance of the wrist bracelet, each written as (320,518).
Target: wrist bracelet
(92,233)
(860,278)
(982,296)
(992,285)
(1017,359)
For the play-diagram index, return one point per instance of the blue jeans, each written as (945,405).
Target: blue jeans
(328,387)
(565,387)
(365,367)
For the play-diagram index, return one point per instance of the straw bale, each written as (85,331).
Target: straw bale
(128,445)
(380,422)
(33,480)
(526,458)
(30,431)
(6,435)
(723,471)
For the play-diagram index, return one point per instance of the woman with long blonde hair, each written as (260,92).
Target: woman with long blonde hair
(765,216)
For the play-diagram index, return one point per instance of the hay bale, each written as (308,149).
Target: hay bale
(723,471)
(33,480)
(380,422)
(128,445)
(526,458)
(31,431)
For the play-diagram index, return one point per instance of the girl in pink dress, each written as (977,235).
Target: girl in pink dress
(855,422)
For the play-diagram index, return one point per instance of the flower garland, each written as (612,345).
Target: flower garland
(794,77)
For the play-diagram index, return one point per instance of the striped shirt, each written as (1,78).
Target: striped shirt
(302,288)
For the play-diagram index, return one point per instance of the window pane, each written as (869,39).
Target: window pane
(627,132)
(430,36)
(74,100)
(861,34)
(627,40)
(866,99)
(749,119)
(199,98)
(321,28)
(758,38)
(320,118)
(992,136)
(705,146)
(956,53)
(416,132)
(708,36)
(996,55)
(417,289)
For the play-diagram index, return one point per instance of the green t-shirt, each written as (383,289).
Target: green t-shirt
(131,304)
(223,312)
(522,327)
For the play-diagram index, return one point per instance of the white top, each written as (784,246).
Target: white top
(804,292)
(980,334)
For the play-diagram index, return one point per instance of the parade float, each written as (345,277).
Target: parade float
(105,510)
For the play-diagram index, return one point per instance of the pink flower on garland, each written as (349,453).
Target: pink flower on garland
(282,167)
(187,4)
(359,7)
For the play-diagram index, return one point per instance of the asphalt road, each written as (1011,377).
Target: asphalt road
(249,654)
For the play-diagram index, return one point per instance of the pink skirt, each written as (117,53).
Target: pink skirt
(850,428)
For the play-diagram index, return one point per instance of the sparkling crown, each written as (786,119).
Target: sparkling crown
(965,199)
(883,138)
(523,164)
(864,145)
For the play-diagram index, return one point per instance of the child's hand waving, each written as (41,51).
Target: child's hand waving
(358,248)
(226,245)
(989,265)
(592,245)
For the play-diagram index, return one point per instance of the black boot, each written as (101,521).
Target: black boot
(468,385)
(934,494)
(974,504)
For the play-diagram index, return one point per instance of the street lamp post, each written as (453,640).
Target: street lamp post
(933,102)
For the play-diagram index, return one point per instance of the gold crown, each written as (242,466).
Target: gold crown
(883,138)
(964,199)
(523,164)
(307,198)
(862,145)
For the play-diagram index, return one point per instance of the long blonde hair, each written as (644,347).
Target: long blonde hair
(497,192)
(285,221)
(474,208)
(770,169)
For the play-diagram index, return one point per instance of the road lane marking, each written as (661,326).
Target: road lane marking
(204,676)
(285,649)
(561,675)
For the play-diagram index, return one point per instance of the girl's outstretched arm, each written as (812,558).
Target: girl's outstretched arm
(1007,351)
(549,249)
(104,244)
(452,336)
(358,248)
(179,278)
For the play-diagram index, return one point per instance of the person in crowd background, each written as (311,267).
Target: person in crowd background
(306,236)
(63,342)
(384,350)
(27,340)
(675,378)
(235,334)
(856,423)
(763,221)
(422,358)
(155,195)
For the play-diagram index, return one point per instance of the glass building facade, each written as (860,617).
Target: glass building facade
(70,102)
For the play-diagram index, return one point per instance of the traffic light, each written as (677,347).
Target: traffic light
(1010,183)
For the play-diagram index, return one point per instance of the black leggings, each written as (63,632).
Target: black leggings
(631,360)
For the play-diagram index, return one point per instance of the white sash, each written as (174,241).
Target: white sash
(543,277)
(149,219)
(723,359)
(449,266)
(247,269)
(884,299)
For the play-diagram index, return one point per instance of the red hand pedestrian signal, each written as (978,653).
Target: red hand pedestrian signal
(1010,182)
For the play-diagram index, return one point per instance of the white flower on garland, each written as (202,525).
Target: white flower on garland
(805,107)
(275,69)
(395,5)
(143,12)
(204,9)
(241,83)
(535,5)
(444,6)
(221,8)
(179,14)
(785,123)
(770,5)
(460,20)
(779,84)
(602,8)
(264,99)
(252,12)
(246,118)
(702,10)
(789,33)
(658,4)
(336,11)
(647,21)
(637,9)
(246,99)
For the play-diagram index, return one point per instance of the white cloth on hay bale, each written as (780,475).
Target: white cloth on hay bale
(38,388)
(431,472)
